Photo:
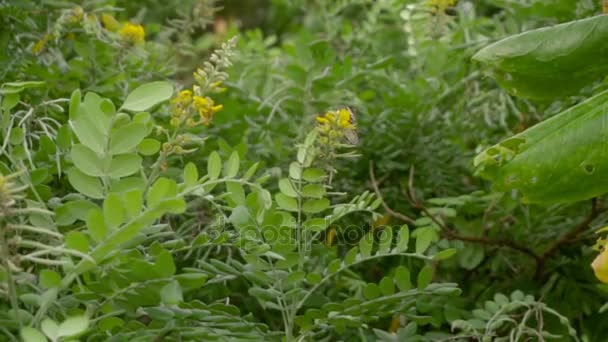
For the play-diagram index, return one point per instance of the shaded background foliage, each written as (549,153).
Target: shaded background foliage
(421,105)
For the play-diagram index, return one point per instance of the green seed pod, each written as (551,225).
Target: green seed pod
(562,159)
(550,62)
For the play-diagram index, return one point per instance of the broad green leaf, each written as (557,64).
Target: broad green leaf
(50,328)
(313,190)
(86,185)
(562,159)
(16,136)
(424,277)
(403,239)
(69,212)
(163,188)
(471,256)
(165,265)
(214,166)
(190,174)
(314,175)
(133,202)
(124,165)
(127,137)
(295,171)
(97,225)
(173,206)
(240,217)
(232,165)
(171,293)
(49,279)
(385,240)
(87,161)
(333,266)
(371,291)
(29,334)
(286,203)
(316,224)
(73,326)
(236,192)
(551,62)
(148,147)
(424,238)
(287,188)
(113,210)
(402,278)
(386,286)
(314,206)
(76,240)
(365,244)
(90,133)
(64,137)
(127,184)
(147,96)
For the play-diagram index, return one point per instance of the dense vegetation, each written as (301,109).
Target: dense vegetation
(296,170)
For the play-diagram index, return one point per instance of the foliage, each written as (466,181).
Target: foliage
(313,179)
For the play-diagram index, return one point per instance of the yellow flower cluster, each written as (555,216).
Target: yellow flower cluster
(186,103)
(39,46)
(441,5)
(334,125)
(132,33)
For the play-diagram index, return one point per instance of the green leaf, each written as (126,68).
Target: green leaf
(49,279)
(90,133)
(16,136)
(287,188)
(113,210)
(236,192)
(385,240)
(313,190)
(402,278)
(550,62)
(96,225)
(147,96)
(386,286)
(163,188)
(424,238)
(171,293)
(76,240)
(424,277)
(545,162)
(190,175)
(74,103)
(371,291)
(295,171)
(286,203)
(50,328)
(165,265)
(124,165)
(403,239)
(445,254)
(73,326)
(314,206)
(29,334)
(314,175)
(127,137)
(232,166)
(84,184)
(316,224)
(133,203)
(351,255)
(148,147)
(214,165)
(365,244)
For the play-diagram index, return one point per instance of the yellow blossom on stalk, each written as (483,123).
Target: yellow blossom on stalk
(39,46)
(600,266)
(334,125)
(109,22)
(132,33)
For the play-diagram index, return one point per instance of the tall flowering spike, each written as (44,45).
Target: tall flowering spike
(336,125)
(600,266)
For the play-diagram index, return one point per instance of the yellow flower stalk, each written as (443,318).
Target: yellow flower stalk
(132,33)
(39,46)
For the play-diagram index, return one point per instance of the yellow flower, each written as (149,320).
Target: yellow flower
(184,97)
(109,22)
(132,33)
(600,266)
(39,46)
(344,119)
(202,103)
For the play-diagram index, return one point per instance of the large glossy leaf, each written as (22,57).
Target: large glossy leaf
(562,159)
(147,96)
(550,62)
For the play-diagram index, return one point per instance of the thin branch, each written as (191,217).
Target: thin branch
(390,211)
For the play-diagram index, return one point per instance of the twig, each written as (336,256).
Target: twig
(390,211)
